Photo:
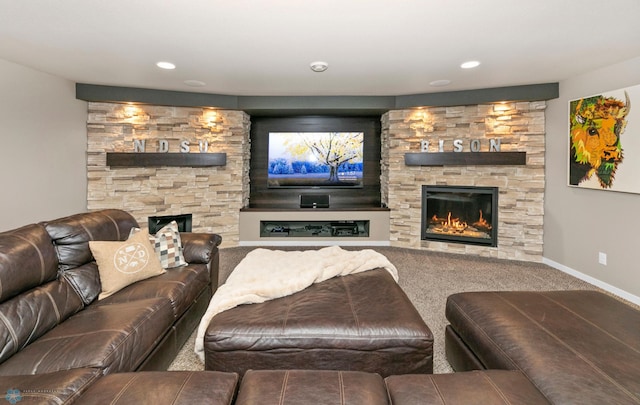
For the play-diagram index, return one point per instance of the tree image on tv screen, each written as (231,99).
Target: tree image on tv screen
(310,158)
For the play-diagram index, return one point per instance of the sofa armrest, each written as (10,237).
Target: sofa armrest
(202,248)
(199,247)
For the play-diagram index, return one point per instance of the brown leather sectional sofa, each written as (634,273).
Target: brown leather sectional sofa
(51,321)
(277,387)
(58,344)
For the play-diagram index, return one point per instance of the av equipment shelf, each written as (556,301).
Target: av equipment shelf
(331,229)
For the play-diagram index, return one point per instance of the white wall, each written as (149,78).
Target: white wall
(42,147)
(580,223)
(43,172)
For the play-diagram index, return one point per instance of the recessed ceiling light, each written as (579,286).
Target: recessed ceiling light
(166,65)
(440,83)
(195,83)
(470,64)
(319,66)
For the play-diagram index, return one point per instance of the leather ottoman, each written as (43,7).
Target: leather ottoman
(576,347)
(313,387)
(60,387)
(362,322)
(163,387)
(492,387)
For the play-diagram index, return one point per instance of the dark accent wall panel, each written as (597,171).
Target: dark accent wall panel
(319,105)
(288,198)
(531,92)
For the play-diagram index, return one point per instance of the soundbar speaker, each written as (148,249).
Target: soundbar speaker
(314,200)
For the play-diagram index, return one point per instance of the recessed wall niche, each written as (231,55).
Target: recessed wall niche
(261,196)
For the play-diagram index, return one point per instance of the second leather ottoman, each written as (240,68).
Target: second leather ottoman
(163,387)
(490,387)
(313,387)
(362,322)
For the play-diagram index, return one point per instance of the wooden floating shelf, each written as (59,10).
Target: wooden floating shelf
(465,158)
(117,159)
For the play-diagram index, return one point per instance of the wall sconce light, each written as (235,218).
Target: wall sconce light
(211,119)
(502,107)
(420,120)
(134,114)
(131,111)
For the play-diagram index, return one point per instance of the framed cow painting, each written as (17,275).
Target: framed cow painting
(604,141)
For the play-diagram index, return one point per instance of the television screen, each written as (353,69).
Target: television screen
(315,159)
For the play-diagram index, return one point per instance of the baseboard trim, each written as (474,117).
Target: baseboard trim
(598,283)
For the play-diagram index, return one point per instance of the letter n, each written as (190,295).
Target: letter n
(494,145)
(139,145)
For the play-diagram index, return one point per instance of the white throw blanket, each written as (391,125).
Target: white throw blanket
(268,274)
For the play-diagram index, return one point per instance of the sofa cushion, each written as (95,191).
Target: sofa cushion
(85,280)
(159,388)
(123,263)
(30,315)
(313,387)
(62,387)
(180,285)
(71,235)
(27,260)
(491,387)
(32,301)
(114,338)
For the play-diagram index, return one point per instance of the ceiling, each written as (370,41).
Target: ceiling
(264,48)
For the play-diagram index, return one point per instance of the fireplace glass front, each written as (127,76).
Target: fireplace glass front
(184,222)
(460,214)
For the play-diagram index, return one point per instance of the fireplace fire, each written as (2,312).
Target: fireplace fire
(460,214)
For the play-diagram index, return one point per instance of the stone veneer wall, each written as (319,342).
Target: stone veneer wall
(519,126)
(214,195)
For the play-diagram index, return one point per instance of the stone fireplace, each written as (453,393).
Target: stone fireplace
(213,195)
(520,127)
(460,214)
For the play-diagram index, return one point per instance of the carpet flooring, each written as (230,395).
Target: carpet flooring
(428,278)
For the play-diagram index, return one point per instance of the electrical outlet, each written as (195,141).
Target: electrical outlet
(602,258)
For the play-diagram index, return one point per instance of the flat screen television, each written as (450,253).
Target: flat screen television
(315,159)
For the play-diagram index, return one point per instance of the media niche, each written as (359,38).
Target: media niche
(315,159)
(318,155)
